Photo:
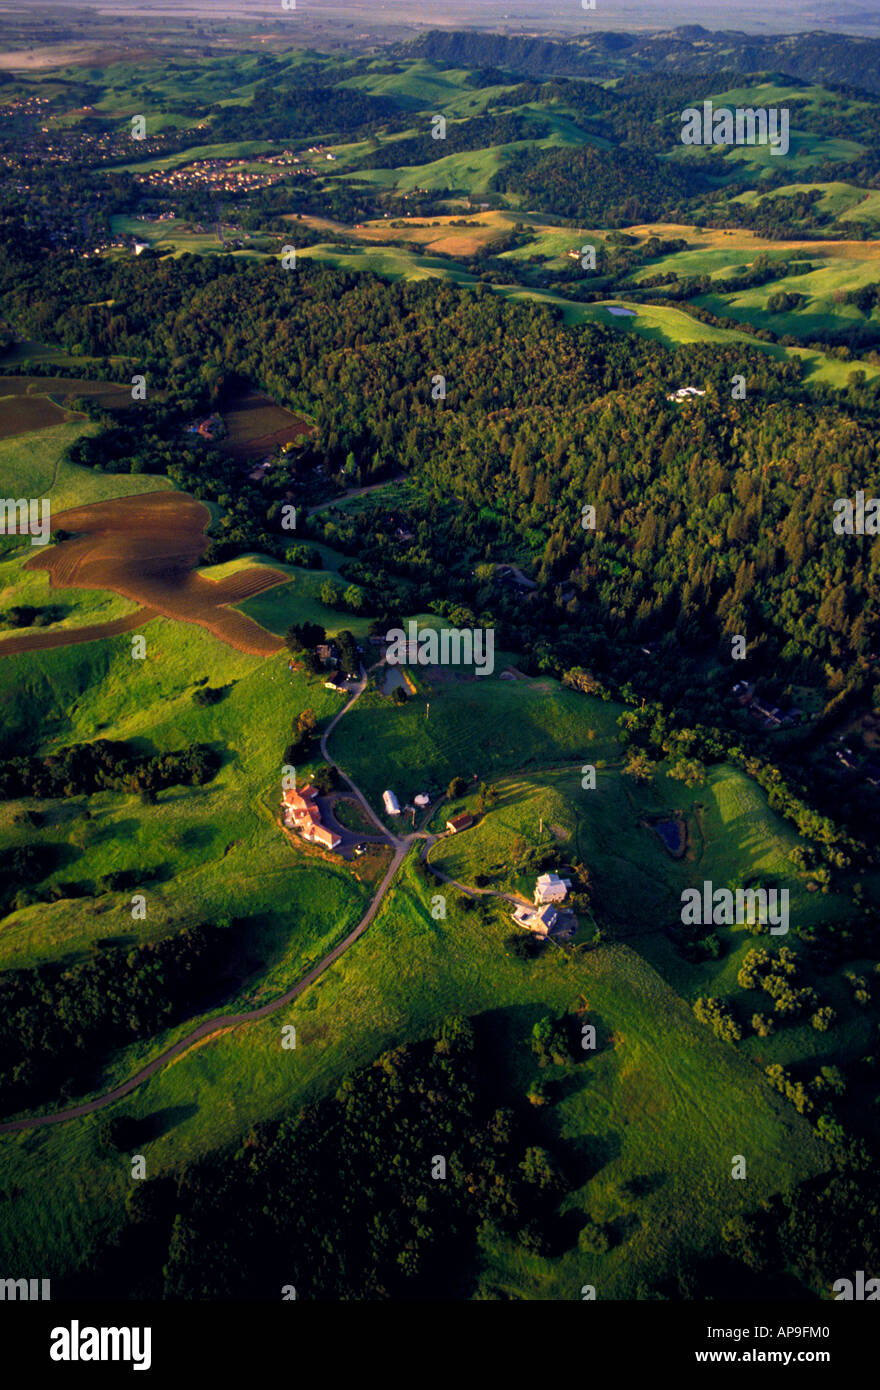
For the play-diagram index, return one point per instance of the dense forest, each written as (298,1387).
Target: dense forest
(710,521)
(593,187)
(280,111)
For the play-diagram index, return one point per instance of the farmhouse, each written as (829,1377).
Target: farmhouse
(541,922)
(322,836)
(392,805)
(210,428)
(297,801)
(299,809)
(457,823)
(550,888)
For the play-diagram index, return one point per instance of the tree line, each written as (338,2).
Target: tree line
(57,1019)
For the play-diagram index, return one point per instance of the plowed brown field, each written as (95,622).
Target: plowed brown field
(255,424)
(146,548)
(66,637)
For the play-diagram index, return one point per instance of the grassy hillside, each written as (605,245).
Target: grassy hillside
(210,850)
(31,465)
(467,731)
(78,607)
(662,1099)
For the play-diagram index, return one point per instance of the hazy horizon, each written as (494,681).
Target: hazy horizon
(537,16)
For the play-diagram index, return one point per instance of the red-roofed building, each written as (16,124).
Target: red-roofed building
(322,836)
(296,808)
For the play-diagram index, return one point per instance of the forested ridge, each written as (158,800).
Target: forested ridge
(480,132)
(711,520)
(589,188)
(817,56)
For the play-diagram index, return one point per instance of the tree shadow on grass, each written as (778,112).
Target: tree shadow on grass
(162,1121)
(515,1068)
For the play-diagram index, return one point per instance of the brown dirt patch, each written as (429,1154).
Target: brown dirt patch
(25,414)
(38,402)
(256,424)
(436,234)
(146,549)
(40,641)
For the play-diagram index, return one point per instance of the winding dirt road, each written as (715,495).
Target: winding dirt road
(214,1026)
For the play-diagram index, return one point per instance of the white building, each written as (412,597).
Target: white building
(422,800)
(550,888)
(392,805)
(540,922)
(685,393)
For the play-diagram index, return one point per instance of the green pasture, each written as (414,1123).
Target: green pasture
(81,607)
(661,1099)
(32,465)
(214,849)
(485,726)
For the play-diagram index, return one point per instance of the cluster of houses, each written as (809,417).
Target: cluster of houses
(220,175)
(300,812)
(773,716)
(544,917)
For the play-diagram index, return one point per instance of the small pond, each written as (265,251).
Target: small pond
(673,835)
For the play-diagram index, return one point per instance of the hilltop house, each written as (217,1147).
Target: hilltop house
(550,888)
(541,921)
(298,809)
